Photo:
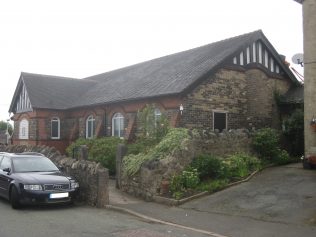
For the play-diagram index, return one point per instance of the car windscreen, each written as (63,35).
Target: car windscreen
(33,164)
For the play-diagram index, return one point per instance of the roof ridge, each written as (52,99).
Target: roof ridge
(45,75)
(173,54)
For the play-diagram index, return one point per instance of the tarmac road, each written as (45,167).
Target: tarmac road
(279,201)
(79,221)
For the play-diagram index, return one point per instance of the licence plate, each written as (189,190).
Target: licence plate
(58,195)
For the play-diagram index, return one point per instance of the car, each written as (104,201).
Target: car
(32,178)
(309,161)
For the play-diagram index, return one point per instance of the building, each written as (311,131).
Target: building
(228,84)
(309,30)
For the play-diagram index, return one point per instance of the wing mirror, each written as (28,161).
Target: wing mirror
(8,170)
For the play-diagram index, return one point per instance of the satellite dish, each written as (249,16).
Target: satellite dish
(298,59)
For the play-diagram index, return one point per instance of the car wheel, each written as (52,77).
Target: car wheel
(14,198)
(306,165)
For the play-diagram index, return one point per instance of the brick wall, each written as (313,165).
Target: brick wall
(246,95)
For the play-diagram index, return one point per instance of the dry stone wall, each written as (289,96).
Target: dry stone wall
(147,182)
(92,177)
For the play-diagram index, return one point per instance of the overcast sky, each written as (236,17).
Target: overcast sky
(77,38)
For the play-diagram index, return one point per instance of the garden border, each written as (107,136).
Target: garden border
(174,202)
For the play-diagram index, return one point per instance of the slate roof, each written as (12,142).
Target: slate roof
(169,75)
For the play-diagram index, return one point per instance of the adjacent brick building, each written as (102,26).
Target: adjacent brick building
(228,84)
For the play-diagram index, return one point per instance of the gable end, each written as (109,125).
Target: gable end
(258,53)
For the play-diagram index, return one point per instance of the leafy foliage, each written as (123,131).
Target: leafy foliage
(3,126)
(169,144)
(241,165)
(151,127)
(294,132)
(266,144)
(208,166)
(101,150)
(188,179)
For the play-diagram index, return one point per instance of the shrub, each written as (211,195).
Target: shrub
(266,143)
(187,179)
(72,149)
(282,158)
(150,126)
(101,150)
(294,132)
(241,165)
(208,166)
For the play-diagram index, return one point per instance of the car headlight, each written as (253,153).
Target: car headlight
(33,187)
(74,184)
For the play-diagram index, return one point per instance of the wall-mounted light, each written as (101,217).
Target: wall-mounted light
(181,109)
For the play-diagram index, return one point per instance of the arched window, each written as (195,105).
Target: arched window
(90,127)
(55,128)
(157,116)
(24,129)
(118,125)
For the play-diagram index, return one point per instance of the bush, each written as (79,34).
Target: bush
(188,179)
(241,165)
(282,158)
(266,143)
(208,166)
(294,132)
(101,150)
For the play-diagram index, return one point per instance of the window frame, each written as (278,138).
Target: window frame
(55,119)
(24,129)
(118,116)
(220,112)
(90,119)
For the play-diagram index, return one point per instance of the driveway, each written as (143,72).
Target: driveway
(279,201)
(275,198)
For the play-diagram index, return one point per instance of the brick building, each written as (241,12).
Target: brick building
(228,84)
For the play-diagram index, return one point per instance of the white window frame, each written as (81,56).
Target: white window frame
(54,120)
(222,112)
(157,115)
(24,129)
(118,116)
(91,120)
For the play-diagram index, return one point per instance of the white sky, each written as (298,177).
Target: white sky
(77,38)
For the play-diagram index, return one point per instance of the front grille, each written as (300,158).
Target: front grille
(54,187)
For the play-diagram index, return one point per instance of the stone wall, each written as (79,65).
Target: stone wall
(247,96)
(146,183)
(92,177)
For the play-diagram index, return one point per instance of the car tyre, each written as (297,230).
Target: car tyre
(14,198)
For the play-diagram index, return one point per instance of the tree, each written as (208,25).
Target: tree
(3,126)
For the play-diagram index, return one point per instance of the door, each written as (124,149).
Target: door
(5,176)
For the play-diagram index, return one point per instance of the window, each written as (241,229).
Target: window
(90,127)
(157,116)
(118,125)
(6,163)
(55,128)
(219,121)
(24,129)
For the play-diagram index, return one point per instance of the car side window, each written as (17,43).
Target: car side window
(5,163)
